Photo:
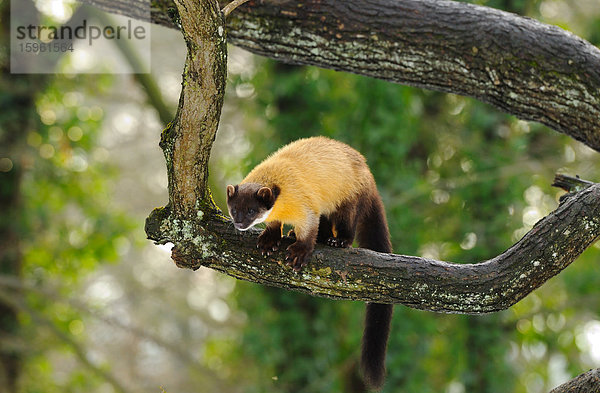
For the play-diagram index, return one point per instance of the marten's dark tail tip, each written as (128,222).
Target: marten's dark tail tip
(375,337)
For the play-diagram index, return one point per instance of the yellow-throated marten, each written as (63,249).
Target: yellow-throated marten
(325,190)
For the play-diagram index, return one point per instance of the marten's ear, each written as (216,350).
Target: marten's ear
(230,191)
(266,195)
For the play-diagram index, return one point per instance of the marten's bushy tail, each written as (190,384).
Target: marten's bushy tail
(374,343)
(373,233)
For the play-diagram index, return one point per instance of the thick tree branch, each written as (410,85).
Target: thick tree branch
(532,70)
(496,284)
(526,68)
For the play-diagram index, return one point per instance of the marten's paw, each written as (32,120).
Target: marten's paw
(339,243)
(298,255)
(268,242)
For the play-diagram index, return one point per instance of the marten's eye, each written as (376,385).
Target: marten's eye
(251,211)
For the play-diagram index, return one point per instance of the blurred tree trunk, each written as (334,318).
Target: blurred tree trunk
(18,116)
(10,253)
(13,123)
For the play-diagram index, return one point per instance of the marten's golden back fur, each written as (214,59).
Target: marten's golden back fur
(315,174)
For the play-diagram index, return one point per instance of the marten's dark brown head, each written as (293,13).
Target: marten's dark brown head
(250,204)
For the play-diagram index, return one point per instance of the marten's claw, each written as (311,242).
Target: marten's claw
(268,243)
(337,242)
(297,255)
(295,263)
(267,252)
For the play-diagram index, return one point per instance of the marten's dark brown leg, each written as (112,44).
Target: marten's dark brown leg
(344,225)
(299,252)
(325,231)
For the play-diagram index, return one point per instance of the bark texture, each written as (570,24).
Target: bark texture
(358,274)
(187,140)
(585,383)
(523,67)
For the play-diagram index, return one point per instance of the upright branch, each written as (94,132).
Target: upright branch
(187,140)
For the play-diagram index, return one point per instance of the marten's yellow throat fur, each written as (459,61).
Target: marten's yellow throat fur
(325,190)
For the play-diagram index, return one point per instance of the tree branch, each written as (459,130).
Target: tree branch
(570,183)
(229,8)
(188,139)
(523,67)
(358,274)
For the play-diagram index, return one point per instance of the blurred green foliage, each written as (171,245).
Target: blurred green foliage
(70,227)
(66,191)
